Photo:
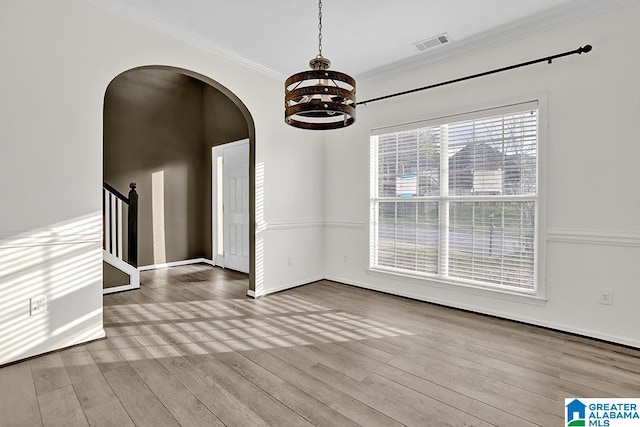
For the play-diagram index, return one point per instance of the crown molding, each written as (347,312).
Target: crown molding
(121,8)
(569,13)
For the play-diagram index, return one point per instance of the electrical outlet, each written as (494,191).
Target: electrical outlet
(290,261)
(345,259)
(37,305)
(605,296)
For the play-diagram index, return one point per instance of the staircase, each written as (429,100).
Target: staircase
(114,237)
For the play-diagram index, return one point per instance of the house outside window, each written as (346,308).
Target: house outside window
(457,199)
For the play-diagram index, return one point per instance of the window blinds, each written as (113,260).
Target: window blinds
(457,197)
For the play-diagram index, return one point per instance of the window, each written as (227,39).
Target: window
(457,198)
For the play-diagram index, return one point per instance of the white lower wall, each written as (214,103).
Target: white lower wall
(63,264)
(592,199)
(294,256)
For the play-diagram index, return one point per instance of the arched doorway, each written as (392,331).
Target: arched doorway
(160,124)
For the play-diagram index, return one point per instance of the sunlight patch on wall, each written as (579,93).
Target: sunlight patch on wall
(260,228)
(157,217)
(62,264)
(219,205)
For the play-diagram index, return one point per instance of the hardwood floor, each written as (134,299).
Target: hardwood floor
(190,349)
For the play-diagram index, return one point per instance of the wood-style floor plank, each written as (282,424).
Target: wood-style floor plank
(333,398)
(144,407)
(230,410)
(18,400)
(515,375)
(478,387)
(272,411)
(427,409)
(305,405)
(49,373)
(183,405)
(107,359)
(97,399)
(189,348)
(61,407)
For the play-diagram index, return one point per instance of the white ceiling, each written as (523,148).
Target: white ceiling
(364,38)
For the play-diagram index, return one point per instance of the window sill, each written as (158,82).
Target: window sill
(532,299)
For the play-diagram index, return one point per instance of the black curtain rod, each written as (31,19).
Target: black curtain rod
(549,59)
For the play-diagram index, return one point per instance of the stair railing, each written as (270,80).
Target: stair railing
(114,202)
(113,242)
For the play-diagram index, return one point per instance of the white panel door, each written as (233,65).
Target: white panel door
(236,206)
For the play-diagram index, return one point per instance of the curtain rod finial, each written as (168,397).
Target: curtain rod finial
(586,48)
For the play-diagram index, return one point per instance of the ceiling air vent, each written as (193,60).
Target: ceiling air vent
(432,42)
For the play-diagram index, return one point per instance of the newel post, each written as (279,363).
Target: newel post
(133,225)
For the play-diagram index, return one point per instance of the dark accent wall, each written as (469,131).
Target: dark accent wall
(112,277)
(222,122)
(163,121)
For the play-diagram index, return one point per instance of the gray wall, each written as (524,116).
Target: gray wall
(222,122)
(112,277)
(157,120)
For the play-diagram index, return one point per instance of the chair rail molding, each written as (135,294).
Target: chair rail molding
(360,225)
(593,237)
(293,225)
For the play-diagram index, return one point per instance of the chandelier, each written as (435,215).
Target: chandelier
(320,99)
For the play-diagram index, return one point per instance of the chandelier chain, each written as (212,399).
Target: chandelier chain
(319,27)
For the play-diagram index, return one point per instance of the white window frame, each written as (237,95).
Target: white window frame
(536,295)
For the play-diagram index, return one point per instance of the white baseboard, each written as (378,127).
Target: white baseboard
(115,289)
(251,294)
(259,293)
(177,264)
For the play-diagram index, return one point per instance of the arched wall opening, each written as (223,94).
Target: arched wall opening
(160,123)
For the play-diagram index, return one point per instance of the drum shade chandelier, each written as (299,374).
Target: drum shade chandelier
(320,99)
